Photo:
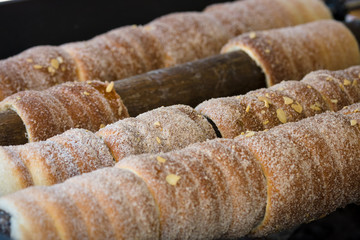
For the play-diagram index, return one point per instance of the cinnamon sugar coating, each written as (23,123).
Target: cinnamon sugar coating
(289,101)
(238,17)
(172,39)
(187,36)
(36,68)
(223,188)
(219,182)
(53,161)
(169,128)
(57,109)
(160,130)
(77,151)
(314,173)
(147,48)
(104,59)
(290,53)
(116,204)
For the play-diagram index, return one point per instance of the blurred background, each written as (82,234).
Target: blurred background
(27,23)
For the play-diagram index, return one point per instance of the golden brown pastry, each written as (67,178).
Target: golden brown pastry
(253,185)
(175,127)
(77,151)
(160,130)
(187,36)
(290,53)
(45,163)
(288,101)
(314,173)
(244,16)
(166,41)
(263,117)
(69,105)
(36,68)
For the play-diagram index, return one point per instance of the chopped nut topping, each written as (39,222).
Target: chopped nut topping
(262,112)
(347,82)
(36,66)
(329,79)
(265,130)
(281,115)
(308,86)
(242,133)
(160,159)
(247,108)
(157,124)
(102,125)
(356,110)
(355,82)
(29,60)
(266,101)
(267,50)
(60,59)
(281,89)
(86,93)
(18,98)
(252,35)
(353,122)
(266,122)
(334,101)
(110,87)
(288,100)
(63,68)
(54,63)
(51,70)
(315,107)
(88,81)
(158,140)
(297,107)
(238,97)
(250,134)
(342,87)
(172,179)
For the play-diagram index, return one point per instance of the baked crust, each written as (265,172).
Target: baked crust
(290,53)
(69,105)
(289,101)
(168,40)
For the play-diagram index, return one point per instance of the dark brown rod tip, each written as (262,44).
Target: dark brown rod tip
(5,224)
(216,129)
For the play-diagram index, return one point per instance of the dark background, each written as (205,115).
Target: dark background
(28,23)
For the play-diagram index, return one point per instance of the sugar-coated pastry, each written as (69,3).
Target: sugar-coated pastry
(77,151)
(53,161)
(187,36)
(160,130)
(291,53)
(288,101)
(166,41)
(70,105)
(223,188)
(239,17)
(36,68)
(170,128)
